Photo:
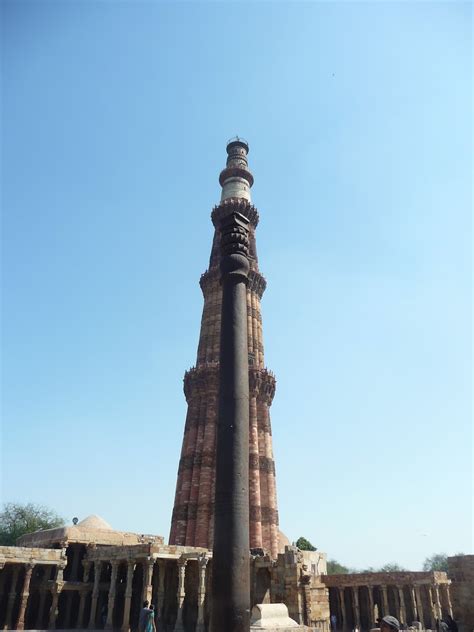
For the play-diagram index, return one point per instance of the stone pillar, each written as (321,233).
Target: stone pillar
(231,552)
(181,594)
(161,587)
(414,606)
(11,598)
(42,600)
(68,606)
(433,613)
(202,561)
(112,593)
(401,600)
(147,579)
(437,602)
(25,593)
(128,596)
(371,607)
(383,590)
(3,578)
(95,594)
(419,605)
(73,564)
(340,590)
(447,599)
(355,605)
(83,596)
(56,591)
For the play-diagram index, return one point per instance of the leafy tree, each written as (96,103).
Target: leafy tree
(437,562)
(391,567)
(17,519)
(305,545)
(335,568)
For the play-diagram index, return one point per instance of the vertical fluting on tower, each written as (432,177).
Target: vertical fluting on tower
(193,513)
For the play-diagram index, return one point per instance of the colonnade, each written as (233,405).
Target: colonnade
(17,622)
(94,588)
(148,566)
(358,606)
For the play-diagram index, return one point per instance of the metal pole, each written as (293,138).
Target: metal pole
(231,555)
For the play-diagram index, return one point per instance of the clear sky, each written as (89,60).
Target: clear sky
(358,116)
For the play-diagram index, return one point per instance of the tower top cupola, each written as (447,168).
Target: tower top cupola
(236,178)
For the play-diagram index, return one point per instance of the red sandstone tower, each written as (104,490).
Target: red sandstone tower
(192,522)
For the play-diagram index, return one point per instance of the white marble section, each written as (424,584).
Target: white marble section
(235,188)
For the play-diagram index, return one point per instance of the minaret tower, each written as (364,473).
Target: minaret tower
(192,522)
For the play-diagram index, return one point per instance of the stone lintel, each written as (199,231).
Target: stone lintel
(376,579)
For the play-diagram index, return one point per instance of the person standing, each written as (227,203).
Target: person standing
(150,620)
(144,612)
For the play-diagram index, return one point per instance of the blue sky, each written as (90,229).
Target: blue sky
(115,118)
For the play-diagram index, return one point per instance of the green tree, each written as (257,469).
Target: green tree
(391,567)
(334,568)
(17,519)
(437,562)
(305,545)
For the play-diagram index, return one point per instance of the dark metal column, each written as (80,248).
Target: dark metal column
(231,561)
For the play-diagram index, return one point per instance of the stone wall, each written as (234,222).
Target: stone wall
(24,555)
(461,573)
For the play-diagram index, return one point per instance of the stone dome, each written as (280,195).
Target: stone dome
(94,522)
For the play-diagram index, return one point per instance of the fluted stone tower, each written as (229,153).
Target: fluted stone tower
(193,514)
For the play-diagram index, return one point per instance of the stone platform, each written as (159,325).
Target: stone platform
(272,616)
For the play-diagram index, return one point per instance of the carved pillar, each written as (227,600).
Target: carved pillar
(68,607)
(447,599)
(203,561)
(112,592)
(39,617)
(128,596)
(147,579)
(383,590)
(371,606)
(401,600)
(84,591)
(433,613)
(340,591)
(73,563)
(181,594)
(419,605)
(3,578)
(95,594)
(161,587)
(11,598)
(413,603)
(355,605)
(25,593)
(56,591)
(437,602)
